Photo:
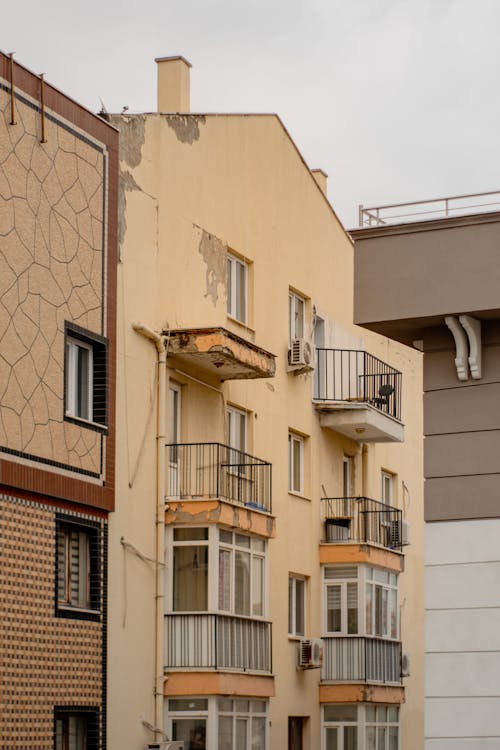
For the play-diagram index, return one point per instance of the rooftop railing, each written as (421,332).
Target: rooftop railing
(214,470)
(351,375)
(435,208)
(362,520)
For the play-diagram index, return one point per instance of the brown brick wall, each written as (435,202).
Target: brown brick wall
(45,660)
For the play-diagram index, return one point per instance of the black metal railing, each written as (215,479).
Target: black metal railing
(356,376)
(214,470)
(209,641)
(362,520)
(360,658)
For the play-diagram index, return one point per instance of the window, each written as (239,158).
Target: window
(344,724)
(241,724)
(341,600)
(295,463)
(85,376)
(218,722)
(347,467)
(75,729)
(382,727)
(382,603)
(296,605)
(387,490)
(78,569)
(296,309)
(340,727)
(237,429)
(360,600)
(237,288)
(234,562)
(174,451)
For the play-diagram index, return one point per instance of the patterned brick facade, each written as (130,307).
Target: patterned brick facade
(46,661)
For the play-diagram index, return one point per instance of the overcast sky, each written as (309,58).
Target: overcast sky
(396,100)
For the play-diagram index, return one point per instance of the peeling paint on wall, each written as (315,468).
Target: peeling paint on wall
(126,182)
(186,127)
(132,137)
(214,253)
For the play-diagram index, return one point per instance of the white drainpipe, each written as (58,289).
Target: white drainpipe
(161,421)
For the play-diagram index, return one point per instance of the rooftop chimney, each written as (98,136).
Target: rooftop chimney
(321,178)
(173,84)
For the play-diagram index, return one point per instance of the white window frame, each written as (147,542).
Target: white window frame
(341,726)
(72,347)
(379,723)
(362,724)
(296,316)
(234,264)
(257,550)
(237,416)
(76,575)
(295,439)
(294,630)
(367,576)
(347,471)
(239,712)
(387,487)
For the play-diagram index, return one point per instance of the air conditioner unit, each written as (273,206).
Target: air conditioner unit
(300,355)
(310,652)
(166,745)
(405,664)
(400,533)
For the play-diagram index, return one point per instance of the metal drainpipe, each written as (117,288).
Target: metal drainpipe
(161,421)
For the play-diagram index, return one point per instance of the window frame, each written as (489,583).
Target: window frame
(295,438)
(367,576)
(257,550)
(387,487)
(296,316)
(76,338)
(94,562)
(233,303)
(293,615)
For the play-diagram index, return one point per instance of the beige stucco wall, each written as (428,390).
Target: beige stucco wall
(51,261)
(194,186)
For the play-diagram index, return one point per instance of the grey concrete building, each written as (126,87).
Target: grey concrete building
(434,284)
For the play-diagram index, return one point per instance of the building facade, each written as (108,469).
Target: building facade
(58,199)
(268,455)
(438,291)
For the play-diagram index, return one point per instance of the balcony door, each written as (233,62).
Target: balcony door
(295,733)
(174,438)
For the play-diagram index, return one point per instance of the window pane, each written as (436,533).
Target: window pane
(258,586)
(191,731)
(225,704)
(332,738)
(335,712)
(333,607)
(350,738)
(241,296)
(392,714)
(190,534)
(393,738)
(188,704)
(369,610)
(224,580)
(242,540)
(241,705)
(258,738)
(371,739)
(291,595)
(242,584)
(381,737)
(190,584)
(229,290)
(394,613)
(299,607)
(258,707)
(297,465)
(83,380)
(225,733)
(258,545)
(378,610)
(385,599)
(299,318)
(352,608)
(370,713)
(241,734)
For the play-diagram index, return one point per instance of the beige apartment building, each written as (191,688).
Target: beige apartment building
(269,462)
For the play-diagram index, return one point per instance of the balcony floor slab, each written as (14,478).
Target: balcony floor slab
(359,421)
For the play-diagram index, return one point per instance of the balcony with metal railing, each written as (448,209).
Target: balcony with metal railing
(217,642)
(358,395)
(205,471)
(361,520)
(361,659)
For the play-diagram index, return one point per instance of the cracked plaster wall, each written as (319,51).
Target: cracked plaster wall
(51,259)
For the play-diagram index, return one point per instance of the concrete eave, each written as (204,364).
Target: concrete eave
(219,353)
(359,421)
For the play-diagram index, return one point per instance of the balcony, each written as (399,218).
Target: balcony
(361,659)
(218,354)
(203,471)
(361,520)
(217,642)
(358,395)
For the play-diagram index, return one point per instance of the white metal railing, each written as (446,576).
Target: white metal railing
(361,659)
(435,208)
(207,641)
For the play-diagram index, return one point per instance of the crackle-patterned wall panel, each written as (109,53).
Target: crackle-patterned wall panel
(53,260)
